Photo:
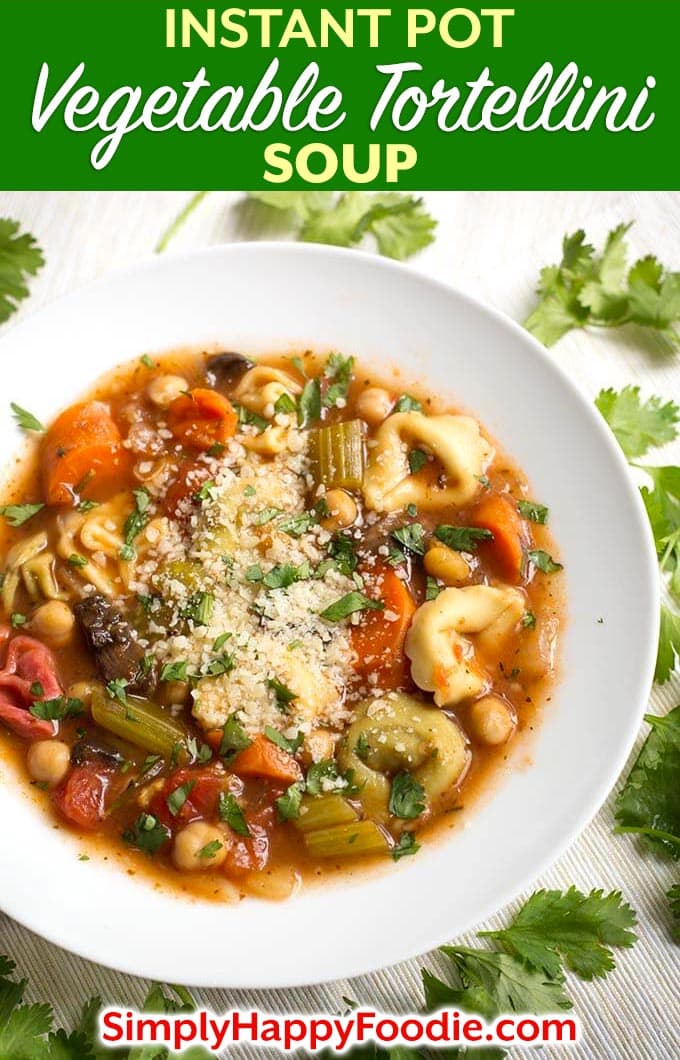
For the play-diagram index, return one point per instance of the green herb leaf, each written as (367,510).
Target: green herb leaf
(26,420)
(296,525)
(18,514)
(588,288)
(210,850)
(20,257)
(309,403)
(406,845)
(231,813)
(407,403)
(348,604)
(663,510)
(528,620)
(669,646)
(638,426)
(416,460)
(290,746)
(462,538)
(284,575)
(254,573)
(336,379)
(284,404)
(282,694)
(556,926)
(407,797)
(411,537)
(288,804)
(266,516)
(199,608)
(17,619)
(537,513)
(176,799)
(175,671)
(250,419)
(139,517)
(116,690)
(543,560)
(56,709)
(432,588)
(234,738)
(648,804)
(147,833)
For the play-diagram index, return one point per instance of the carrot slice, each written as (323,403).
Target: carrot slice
(378,639)
(202,418)
(506,552)
(264,759)
(81,453)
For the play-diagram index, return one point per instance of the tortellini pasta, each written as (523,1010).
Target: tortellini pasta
(262,386)
(399,733)
(97,537)
(442,660)
(30,561)
(454,441)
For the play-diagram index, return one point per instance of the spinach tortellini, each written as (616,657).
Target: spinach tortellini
(442,659)
(456,444)
(397,734)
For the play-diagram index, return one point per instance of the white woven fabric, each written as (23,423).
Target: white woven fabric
(492,245)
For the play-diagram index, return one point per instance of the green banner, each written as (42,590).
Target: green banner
(138,94)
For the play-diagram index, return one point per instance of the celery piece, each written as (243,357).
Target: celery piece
(347,840)
(324,812)
(139,721)
(337,455)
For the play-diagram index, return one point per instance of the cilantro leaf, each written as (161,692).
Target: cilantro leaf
(56,709)
(290,746)
(556,926)
(543,561)
(407,845)
(407,797)
(400,223)
(309,403)
(147,833)
(638,425)
(348,604)
(336,378)
(231,813)
(663,510)
(411,537)
(587,288)
(462,538)
(288,804)
(282,694)
(284,575)
(18,514)
(176,799)
(20,257)
(300,203)
(489,983)
(406,403)
(234,738)
(648,803)
(669,646)
(25,420)
(536,513)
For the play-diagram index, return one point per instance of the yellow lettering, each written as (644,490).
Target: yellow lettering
(419,20)
(275,156)
(227,22)
(497,14)
(397,158)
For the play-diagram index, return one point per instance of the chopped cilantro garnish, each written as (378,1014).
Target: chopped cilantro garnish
(462,538)
(26,420)
(543,560)
(348,604)
(147,833)
(406,403)
(210,850)
(411,537)
(407,797)
(18,514)
(175,671)
(234,738)
(176,799)
(282,694)
(56,709)
(407,845)
(231,813)
(416,460)
(290,746)
(288,804)
(537,513)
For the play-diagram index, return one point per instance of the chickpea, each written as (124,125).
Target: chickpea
(54,621)
(342,510)
(274,885)
(491,720)
(163,390)
(446,564)
(48,761)
(374,405)
(189,850)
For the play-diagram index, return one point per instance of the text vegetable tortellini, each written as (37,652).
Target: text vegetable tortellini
(442,660)
(454,441)
(398,734)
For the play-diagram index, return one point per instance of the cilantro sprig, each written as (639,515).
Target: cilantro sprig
(20,257)
(648,804)
(600,290)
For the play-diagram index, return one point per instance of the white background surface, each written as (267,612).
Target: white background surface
(492,245)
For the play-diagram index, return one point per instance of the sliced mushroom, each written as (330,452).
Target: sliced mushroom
(111,639)
(225,370)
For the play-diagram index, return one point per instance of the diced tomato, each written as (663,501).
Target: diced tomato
(202,418)
(201,801)
(251,855)
(81,797)
(190,477)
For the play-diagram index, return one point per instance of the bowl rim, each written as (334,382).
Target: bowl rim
(612,768)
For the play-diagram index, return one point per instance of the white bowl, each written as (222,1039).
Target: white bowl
(260,297)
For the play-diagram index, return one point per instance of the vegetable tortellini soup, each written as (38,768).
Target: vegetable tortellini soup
(265,621)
